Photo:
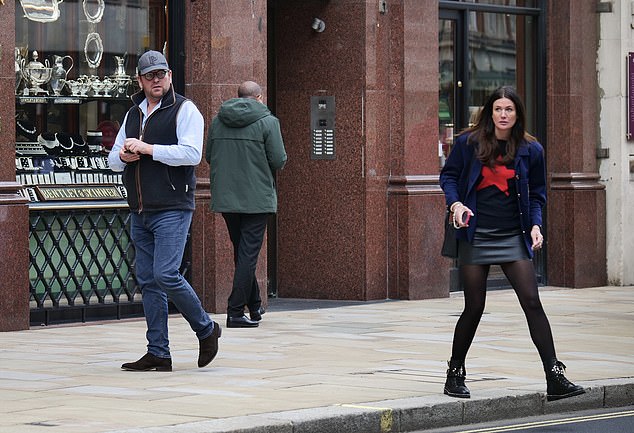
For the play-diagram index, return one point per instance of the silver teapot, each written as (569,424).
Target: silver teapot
(37,74)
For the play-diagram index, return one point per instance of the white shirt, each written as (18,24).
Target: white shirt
(190,129)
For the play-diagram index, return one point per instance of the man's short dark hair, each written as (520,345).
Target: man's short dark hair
(249,89)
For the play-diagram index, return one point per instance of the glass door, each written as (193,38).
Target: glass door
(481,46)
(451,74)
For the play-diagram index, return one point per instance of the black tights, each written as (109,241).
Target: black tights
(521,275)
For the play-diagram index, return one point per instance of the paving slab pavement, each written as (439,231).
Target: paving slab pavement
(319,366)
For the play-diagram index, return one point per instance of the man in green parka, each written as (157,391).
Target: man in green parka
(244,149)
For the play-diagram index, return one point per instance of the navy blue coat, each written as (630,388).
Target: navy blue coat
(530,181)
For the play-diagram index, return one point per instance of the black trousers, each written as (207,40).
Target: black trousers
(246,232)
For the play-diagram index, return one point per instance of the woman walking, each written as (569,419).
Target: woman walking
(494,182)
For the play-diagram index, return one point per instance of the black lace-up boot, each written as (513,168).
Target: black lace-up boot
(557,386)
(454,386)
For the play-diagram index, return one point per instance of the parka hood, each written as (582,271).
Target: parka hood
(240,112)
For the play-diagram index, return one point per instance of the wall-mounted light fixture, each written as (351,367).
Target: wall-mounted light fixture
(318,25)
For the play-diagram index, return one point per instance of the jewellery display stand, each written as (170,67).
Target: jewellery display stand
(72,88)
(63,133)
(63,154)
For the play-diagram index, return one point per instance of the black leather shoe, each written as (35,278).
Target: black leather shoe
(256,315)
(241,322)
(149,362)
(208,348)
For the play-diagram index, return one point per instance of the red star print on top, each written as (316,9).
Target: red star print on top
(497,176)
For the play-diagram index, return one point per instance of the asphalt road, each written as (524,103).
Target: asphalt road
(613,420)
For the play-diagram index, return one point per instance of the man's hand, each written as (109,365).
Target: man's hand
(136,146)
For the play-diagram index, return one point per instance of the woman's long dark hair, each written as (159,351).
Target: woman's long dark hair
(483,131)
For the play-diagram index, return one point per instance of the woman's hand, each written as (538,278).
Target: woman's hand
(460,215)
(537,237)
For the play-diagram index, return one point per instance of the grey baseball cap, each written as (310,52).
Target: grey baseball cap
(152,61)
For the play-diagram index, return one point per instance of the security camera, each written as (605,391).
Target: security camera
(318,25)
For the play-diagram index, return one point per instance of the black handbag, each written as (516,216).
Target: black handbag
(449,243)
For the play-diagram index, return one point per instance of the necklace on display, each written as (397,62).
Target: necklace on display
(24,129)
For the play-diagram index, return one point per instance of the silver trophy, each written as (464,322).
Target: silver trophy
(36,74)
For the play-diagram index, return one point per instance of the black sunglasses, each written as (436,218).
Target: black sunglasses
(158,74)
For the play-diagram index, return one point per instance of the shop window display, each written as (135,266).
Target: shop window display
(74,75)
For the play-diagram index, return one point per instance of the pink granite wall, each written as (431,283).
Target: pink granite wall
(342,233)
(576,205)
(14,212)
(7,91)
(226,44)
(323,231)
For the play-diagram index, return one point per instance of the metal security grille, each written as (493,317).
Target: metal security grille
(81,265)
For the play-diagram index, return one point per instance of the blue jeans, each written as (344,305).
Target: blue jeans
(159,240)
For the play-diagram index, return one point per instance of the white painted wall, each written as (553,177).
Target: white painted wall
(616,40)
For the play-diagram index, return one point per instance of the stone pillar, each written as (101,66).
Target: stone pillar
(416,208)
(14,250)
(416,202)
(14,211)
(576,202)
(226,44)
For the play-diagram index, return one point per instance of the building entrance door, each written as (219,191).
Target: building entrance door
(482,46)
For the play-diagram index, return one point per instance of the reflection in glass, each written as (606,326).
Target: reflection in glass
(42,11)
(492,54)
(501,52)
(102,37)
(446,94)
(92,32)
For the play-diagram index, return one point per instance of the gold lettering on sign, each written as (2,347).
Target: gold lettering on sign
(83,192)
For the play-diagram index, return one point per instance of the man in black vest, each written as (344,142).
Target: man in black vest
(157,148)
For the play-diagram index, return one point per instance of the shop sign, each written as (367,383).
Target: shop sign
(78,192)
(32,99)
(66,100)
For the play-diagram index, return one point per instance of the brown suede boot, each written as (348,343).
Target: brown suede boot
(208,347)
(149,362)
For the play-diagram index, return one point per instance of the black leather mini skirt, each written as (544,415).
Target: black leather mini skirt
(492,247)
